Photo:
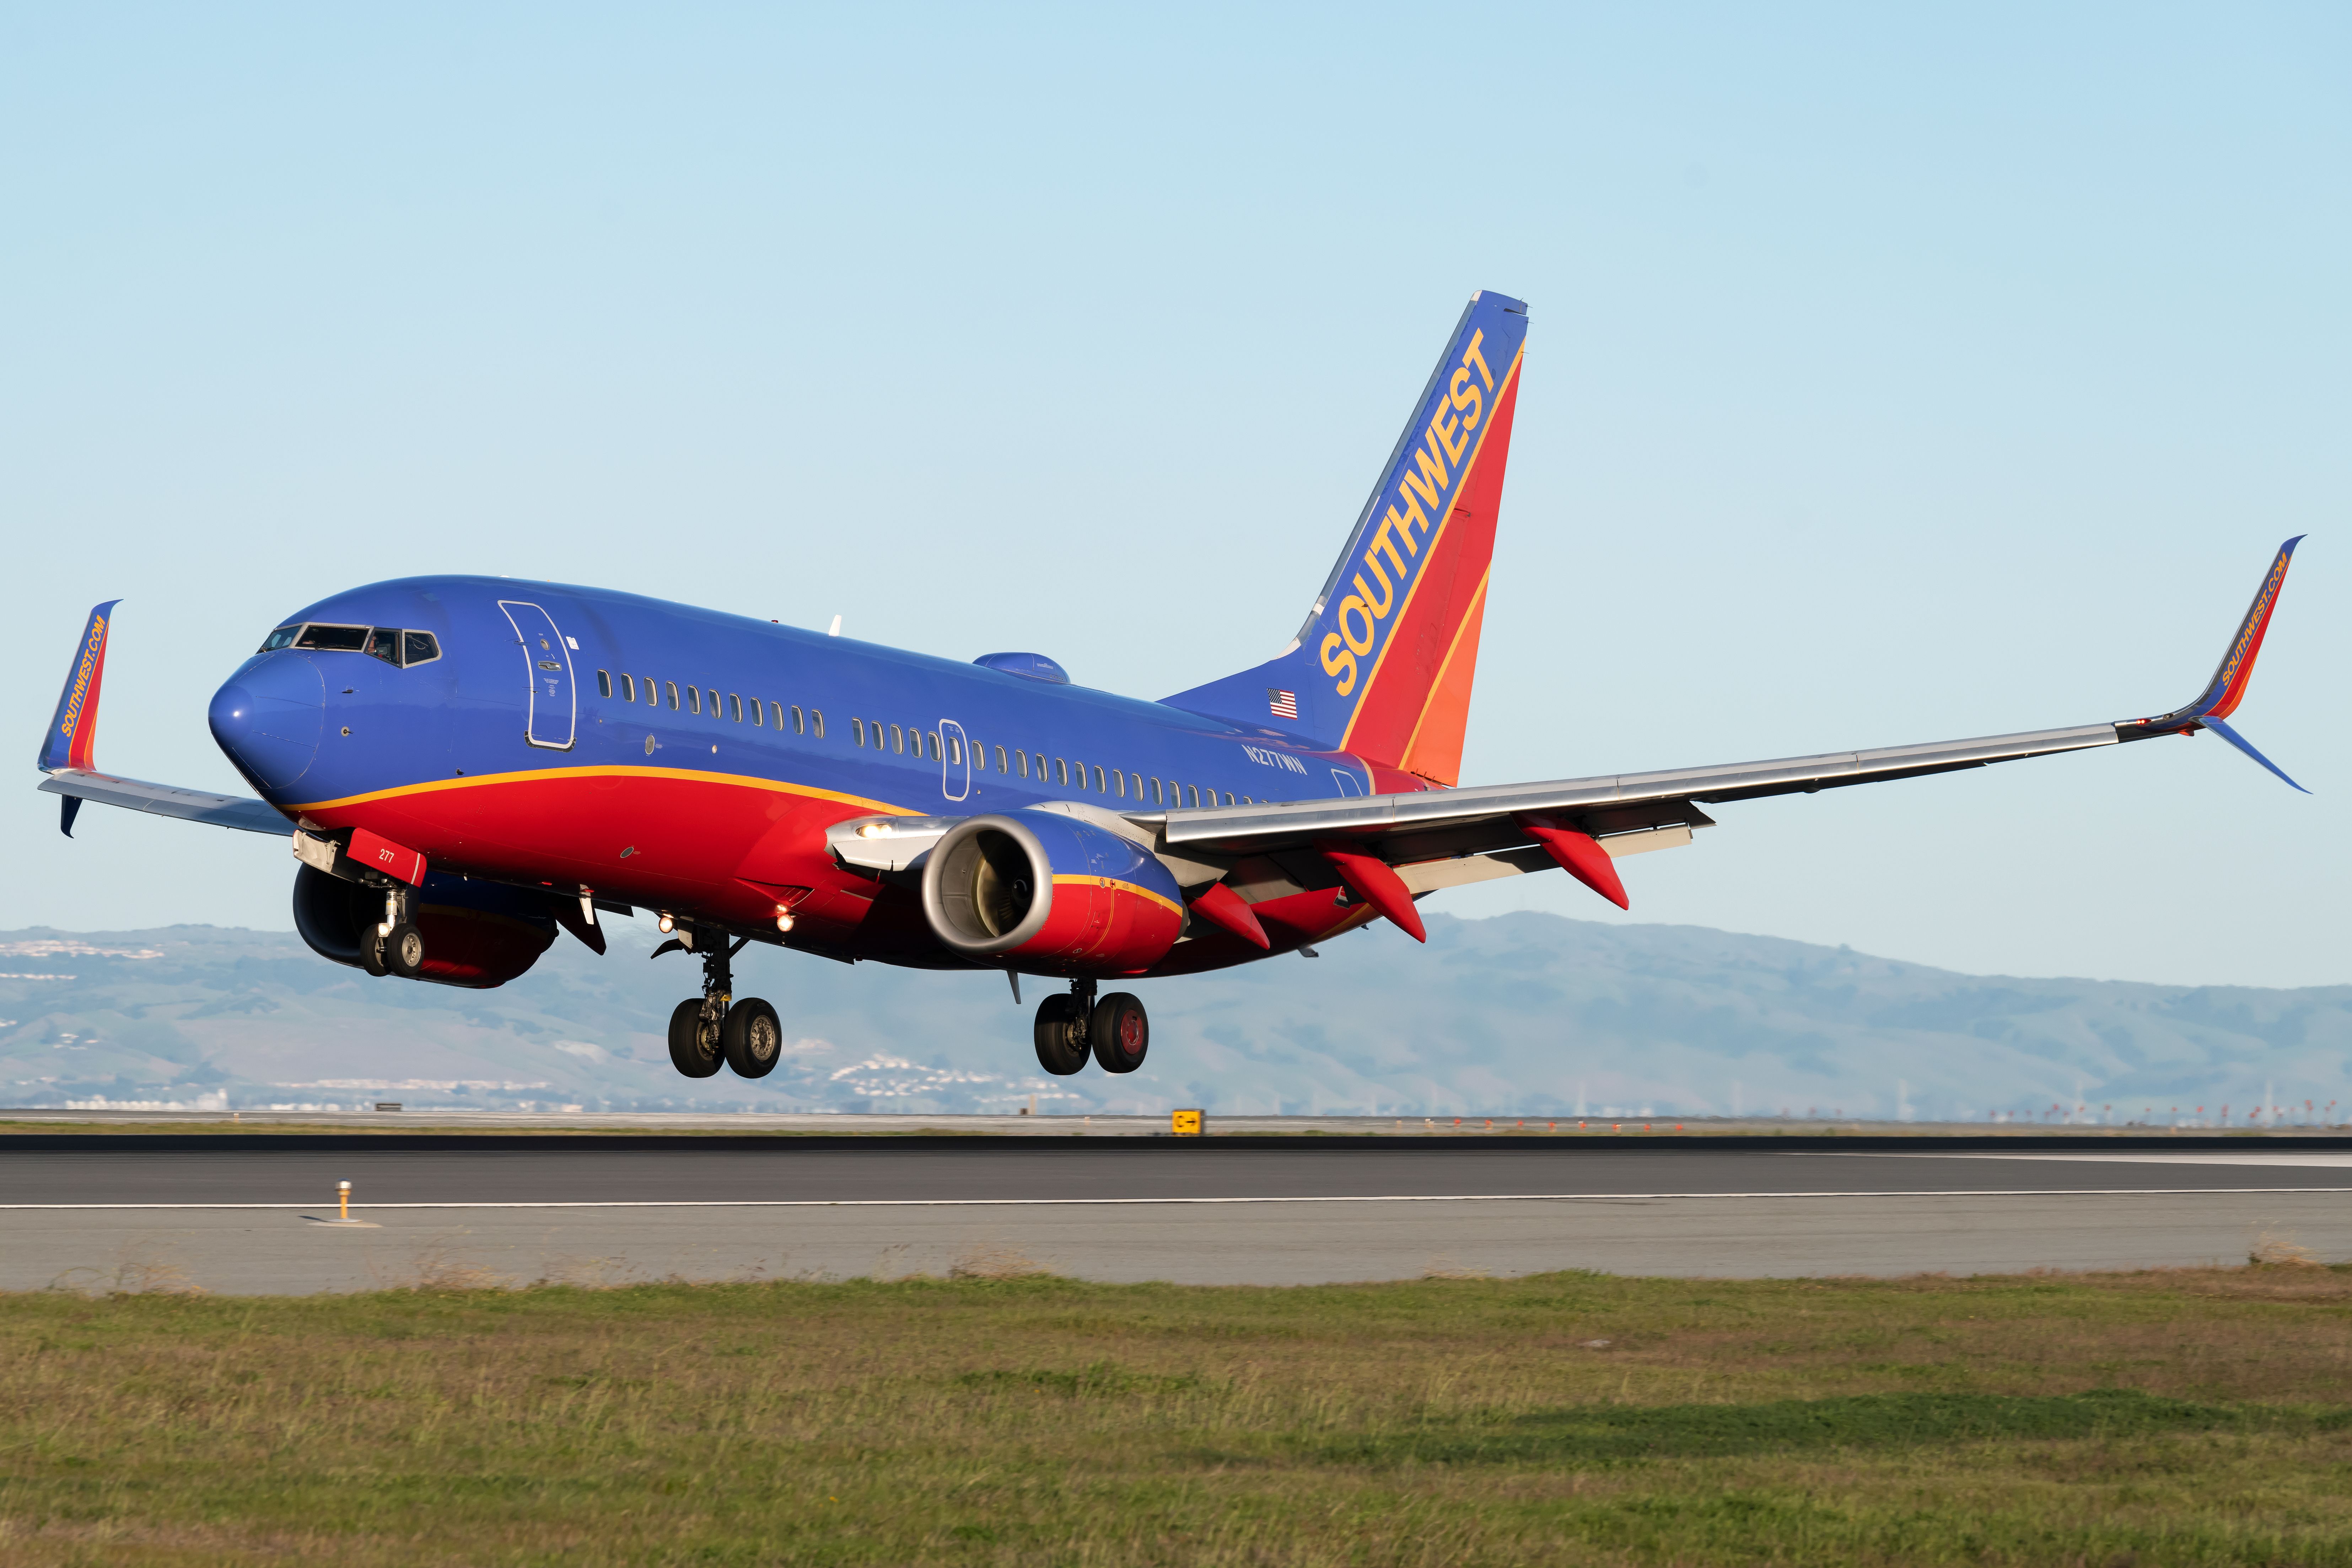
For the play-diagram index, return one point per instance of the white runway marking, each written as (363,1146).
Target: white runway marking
(2252,1157)
(1144,1202)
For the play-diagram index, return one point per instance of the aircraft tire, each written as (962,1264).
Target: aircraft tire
(1061,1044)
(693,1045)
(371,948)
(1121,1032)
(753,1038)
(404,951)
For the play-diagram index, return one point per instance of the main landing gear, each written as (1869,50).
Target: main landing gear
(717,1029)
(1115,1031)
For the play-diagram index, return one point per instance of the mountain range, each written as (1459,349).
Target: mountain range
(1524,1014)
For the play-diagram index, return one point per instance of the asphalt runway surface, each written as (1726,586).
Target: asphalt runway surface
(480,1169)
(244,1213)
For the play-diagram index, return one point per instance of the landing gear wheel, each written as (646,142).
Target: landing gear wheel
(404,951)
(372,954)
(751,1039)
(1061,1036)
(1121,1032)
(693,1043)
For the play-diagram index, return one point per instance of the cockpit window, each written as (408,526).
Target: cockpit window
(389,644)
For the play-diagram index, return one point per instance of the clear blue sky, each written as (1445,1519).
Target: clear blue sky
(1895,374)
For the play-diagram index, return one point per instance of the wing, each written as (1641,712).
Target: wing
(1389,849)
(237,811)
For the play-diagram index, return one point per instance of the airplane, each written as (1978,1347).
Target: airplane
(467,764)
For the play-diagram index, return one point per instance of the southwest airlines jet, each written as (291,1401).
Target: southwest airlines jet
(466,765)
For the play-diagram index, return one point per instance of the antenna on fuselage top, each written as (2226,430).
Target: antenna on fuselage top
(835,630)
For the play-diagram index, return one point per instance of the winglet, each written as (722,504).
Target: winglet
(2228,687)
(2231,677)
(71,741)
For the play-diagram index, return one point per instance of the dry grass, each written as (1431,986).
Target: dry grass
(1006,1417)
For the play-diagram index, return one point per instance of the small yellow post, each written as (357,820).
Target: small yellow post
(343,1191)
(1186,1123)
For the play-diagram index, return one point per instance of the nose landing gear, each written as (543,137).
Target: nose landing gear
(717,1031)
(1115,1031)
(394,946)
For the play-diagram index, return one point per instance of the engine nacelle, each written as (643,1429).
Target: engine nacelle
(1052,892)
(476,934)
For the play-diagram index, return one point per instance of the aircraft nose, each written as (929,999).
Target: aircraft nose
(270,716)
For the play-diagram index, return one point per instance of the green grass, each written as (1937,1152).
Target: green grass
(2178,1417)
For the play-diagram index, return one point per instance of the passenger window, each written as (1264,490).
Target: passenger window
(628,687)
(734,706)
(1155,794)
(1136,780)
(1062,772)
(714,704)
(1229,798)
(759,714)
(1119,780)
(1021,763)
(816,722)
(604,683)
(933,737)
(653,698)
(955,751)
(694,700)
(1000,760)
(282,638)
(1041,767)
(384,643)
(1191,794)
(858,728)
(418,647)
(897,740)
(797,720)
(673,695)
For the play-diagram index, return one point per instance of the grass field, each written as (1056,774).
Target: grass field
(2178,1417)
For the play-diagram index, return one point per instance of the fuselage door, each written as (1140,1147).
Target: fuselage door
(955,761)
(547,663)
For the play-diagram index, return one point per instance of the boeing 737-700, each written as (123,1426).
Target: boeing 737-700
(467,764)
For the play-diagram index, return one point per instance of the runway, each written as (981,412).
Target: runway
(241,1214)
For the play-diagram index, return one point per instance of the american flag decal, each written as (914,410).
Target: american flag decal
(1282,704)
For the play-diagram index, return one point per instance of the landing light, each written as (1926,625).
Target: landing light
(666,925)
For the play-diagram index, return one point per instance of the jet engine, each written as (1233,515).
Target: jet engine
(476,934)
(1051,891)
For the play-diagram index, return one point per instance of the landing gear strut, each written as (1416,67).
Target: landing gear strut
(715,1030)
(394,946)
(1115,1031)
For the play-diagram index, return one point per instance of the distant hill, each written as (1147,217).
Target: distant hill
(1529,1014)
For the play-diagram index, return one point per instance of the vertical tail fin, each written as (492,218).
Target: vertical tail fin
(72,739)
(1384,664)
